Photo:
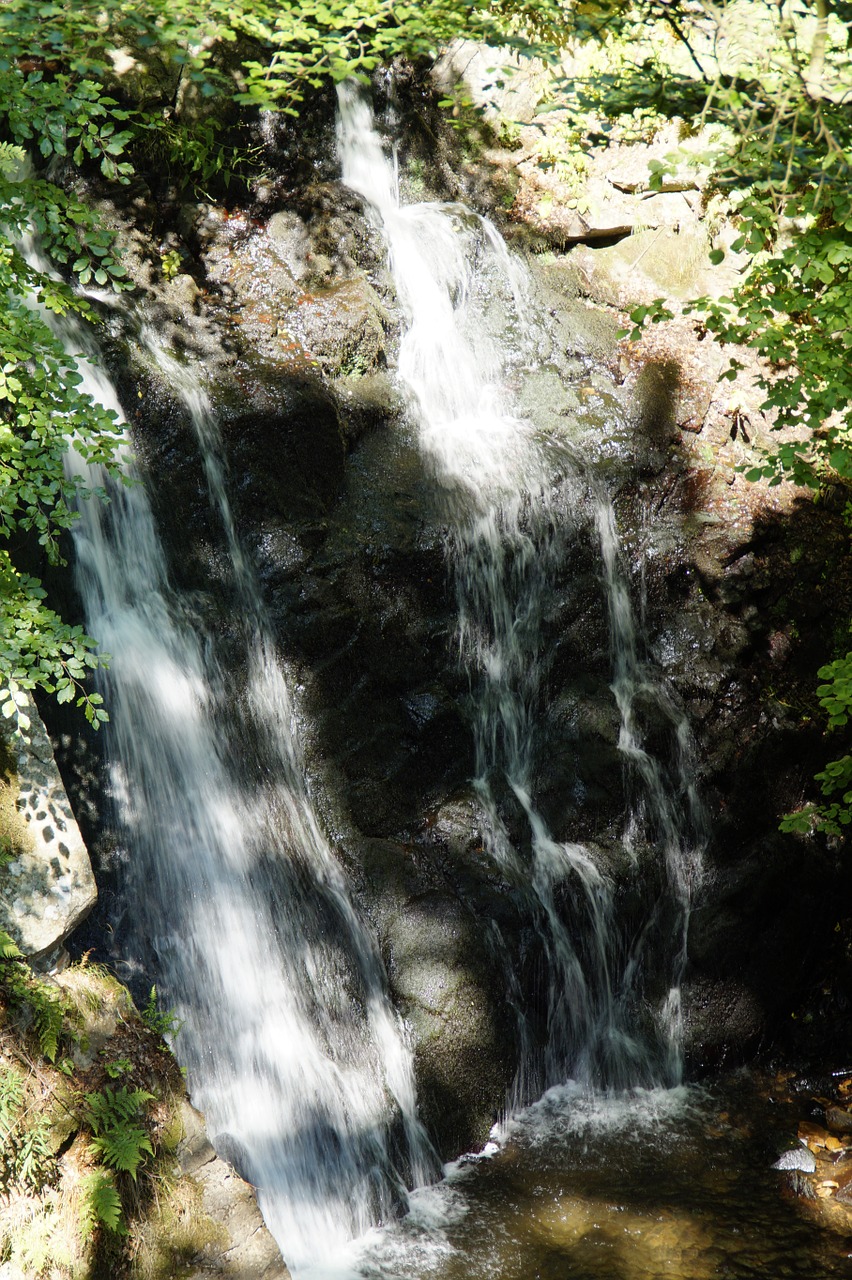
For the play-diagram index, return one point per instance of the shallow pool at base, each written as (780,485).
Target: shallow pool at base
(675,1184)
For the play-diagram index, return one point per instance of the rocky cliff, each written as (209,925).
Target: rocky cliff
(284,296)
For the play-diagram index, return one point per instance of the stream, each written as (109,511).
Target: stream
(636,1186)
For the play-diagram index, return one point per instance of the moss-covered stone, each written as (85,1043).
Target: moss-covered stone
(65,1213)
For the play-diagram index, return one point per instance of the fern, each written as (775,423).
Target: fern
(111,1107)
(123,1147)
(11,1099)
(11,1105)
(117,1139)
(100,1205)
(35,1163)
(163,1022)
(46,1006)
(9,949)
(26,1156)
(48,1014)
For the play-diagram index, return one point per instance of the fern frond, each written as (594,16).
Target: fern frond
(123,1148)
(47,1015)
(110,1107)
(34,1164)
(119,1142)
(11,1098)
(9,949)
(46,1006)
(100,1204)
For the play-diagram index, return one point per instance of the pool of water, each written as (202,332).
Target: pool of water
(675,1184)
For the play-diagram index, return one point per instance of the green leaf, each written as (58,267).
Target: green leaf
(101,1205)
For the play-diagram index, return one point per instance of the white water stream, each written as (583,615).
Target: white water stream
(453,275)
(294,1052)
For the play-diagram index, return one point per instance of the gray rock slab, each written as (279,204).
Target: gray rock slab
(800,1158)
(49,888)
(250,1252)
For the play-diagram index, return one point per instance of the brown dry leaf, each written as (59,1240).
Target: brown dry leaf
(814,1134)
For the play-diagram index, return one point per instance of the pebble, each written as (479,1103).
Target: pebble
(813,1134)
(799,1158)
(837,1118)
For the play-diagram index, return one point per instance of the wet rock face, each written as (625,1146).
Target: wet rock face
(333,500)
(431,926)
(335,505)
(245,1250)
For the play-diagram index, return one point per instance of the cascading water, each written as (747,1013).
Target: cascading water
(292,1047)
(666,807)
(503,486)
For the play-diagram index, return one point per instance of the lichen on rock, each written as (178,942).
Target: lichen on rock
(48,884)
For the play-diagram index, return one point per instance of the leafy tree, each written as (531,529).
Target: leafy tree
(775,82)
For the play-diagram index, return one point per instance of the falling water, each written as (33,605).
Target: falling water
(470,328)
(292,1047)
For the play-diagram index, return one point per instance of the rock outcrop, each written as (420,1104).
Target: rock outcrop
(288,303)
(243,1249)
(48,884)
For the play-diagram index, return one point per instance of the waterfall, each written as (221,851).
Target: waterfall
(470,329)
(233,893)
(293,1049)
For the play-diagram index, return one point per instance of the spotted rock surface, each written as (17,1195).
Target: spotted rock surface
(49,888)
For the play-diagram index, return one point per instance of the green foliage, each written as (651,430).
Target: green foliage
(11,1111)
(11,1097)
(793,308)
(194,154)
(49,100)
(170,264)
(650,314)
(834,814)
(163,1022)
(119,1067)
(835,694)
(73,1209)
(9,949)
(100,1205)
(311,41)
(26,1155)
(118,1139)
(41,1002)
(770,89)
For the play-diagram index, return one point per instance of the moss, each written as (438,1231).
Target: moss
(64,1213)
(15,836)
(173,1232)
(171,1132)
